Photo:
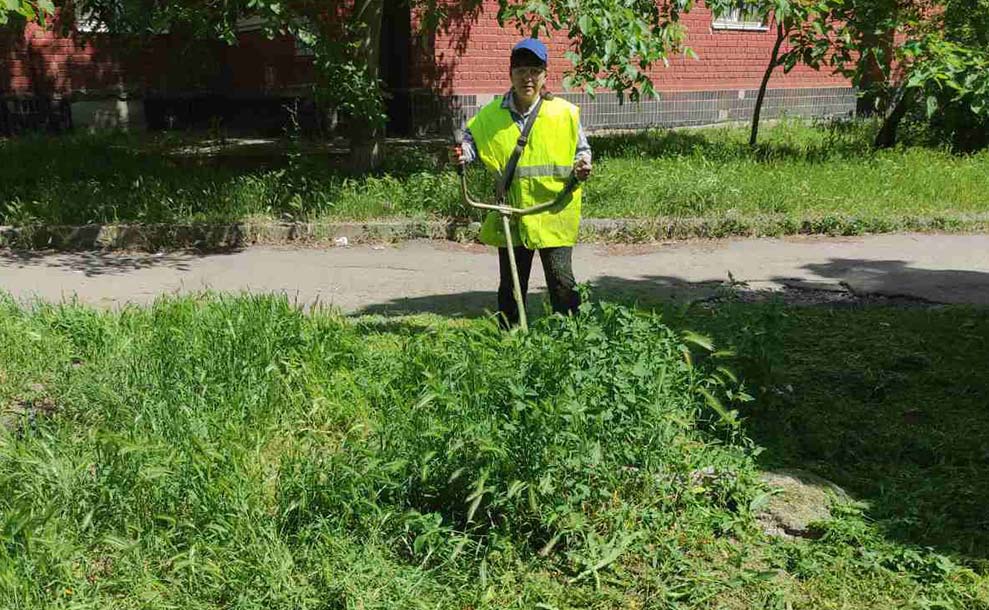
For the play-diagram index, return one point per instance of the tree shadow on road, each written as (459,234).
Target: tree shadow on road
(101,263)
(897,278)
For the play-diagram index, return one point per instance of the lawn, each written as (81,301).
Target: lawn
(223,452)
(820,178)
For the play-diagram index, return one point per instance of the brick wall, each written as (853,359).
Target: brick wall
(41,63)
(37,62)
(109,81)
(472,57)
(460,69)
(452,73)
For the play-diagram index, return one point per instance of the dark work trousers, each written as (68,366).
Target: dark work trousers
(558,269)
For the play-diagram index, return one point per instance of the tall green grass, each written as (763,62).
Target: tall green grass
(800,172)
(235,452)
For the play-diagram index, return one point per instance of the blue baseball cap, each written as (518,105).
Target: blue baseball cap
(533,46)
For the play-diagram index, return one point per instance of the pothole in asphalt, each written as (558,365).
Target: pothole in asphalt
(798,296)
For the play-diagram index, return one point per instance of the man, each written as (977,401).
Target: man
(556,146)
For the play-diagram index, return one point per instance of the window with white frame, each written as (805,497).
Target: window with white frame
(745,17)
(305,44)
(248,24)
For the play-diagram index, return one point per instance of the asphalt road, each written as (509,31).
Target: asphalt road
(455,279)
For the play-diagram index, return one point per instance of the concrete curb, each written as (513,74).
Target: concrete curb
(221,236)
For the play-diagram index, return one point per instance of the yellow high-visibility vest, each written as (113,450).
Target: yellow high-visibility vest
(541,174)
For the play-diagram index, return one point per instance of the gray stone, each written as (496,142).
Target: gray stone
(798,499)
(22,413)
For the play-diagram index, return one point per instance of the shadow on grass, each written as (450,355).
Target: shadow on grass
(83,179)
(787,141)
(102,178)
(887,397)
(102,155)
(888,402)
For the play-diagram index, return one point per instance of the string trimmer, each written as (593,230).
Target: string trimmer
(507,212)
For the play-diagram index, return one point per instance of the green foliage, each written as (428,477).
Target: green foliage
(221,452)
(902,54)
(29,10)
(574,441)
(221,449)
(967,22)
(614,43)
(853,37)
(948,73)
(790,13)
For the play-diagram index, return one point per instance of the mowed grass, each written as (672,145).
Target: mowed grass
(798,172)
(889,402)
(819,176)
(227,452)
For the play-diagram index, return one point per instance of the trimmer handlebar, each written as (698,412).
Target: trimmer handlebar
(508,210)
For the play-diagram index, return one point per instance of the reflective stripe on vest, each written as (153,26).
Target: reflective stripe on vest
(536,171)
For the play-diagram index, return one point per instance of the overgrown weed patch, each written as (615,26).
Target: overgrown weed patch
(222,451)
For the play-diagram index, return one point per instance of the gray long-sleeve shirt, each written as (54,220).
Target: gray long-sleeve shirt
(469,148)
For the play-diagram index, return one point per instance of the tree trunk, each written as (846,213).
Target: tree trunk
(366,147)
(872,74)
(366,136)
(886,138)
(875,73)
(773,62)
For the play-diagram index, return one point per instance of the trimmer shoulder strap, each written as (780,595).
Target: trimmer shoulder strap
(513,161)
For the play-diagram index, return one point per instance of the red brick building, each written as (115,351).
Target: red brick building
(93,79)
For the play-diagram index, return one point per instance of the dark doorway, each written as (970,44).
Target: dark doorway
(396,38)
